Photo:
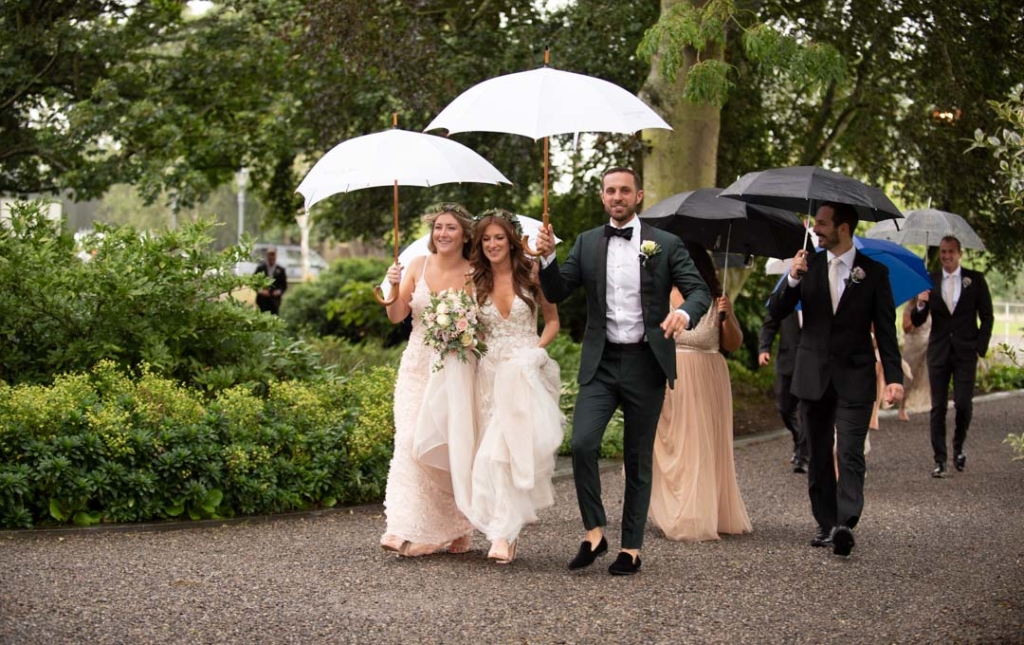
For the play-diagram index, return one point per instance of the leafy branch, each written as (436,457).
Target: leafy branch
(687,30)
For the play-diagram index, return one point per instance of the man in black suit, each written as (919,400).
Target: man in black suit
(269,299)
(627,269)
(787,404)
(959,298)
(843,294)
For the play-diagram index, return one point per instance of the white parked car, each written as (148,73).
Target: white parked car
(289,256)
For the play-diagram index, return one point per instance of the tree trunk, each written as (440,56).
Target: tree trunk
(684,158)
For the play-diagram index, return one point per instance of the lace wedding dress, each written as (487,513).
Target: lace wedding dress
(521,425)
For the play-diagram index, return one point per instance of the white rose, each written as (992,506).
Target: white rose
(442,308)
(443,320)
(467,339)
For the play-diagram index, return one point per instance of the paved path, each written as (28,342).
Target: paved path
(937,561)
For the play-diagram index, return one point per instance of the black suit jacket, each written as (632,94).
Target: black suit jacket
(957,335)
(280,279)
(587,265)
(837,348)
(788,330)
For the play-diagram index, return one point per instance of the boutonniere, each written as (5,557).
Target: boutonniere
(648,249)
(857,275)
(966,282)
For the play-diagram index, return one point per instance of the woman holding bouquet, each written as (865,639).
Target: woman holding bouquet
(422,518)
(517,391)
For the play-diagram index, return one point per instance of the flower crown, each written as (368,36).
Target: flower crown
(448,207)
(511,218)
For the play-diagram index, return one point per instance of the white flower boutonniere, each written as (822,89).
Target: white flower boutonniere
(648,249)
(856,276)
(966,282)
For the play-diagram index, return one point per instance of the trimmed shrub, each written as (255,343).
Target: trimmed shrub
(340,302)
(161,300)
(112,447)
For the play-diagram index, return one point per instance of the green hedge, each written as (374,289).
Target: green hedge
(105,446)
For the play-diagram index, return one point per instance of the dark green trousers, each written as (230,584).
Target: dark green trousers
(633,379)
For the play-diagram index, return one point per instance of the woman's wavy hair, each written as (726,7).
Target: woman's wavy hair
(461,215)
(702,260)
(523,282)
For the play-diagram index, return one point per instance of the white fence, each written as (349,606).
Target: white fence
(1009,325)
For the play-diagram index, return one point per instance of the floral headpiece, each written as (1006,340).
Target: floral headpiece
(448,207)
(511,218)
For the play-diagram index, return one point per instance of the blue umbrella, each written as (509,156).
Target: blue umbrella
(907,273)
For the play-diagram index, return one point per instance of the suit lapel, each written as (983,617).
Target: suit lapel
(646,274)
(601,269)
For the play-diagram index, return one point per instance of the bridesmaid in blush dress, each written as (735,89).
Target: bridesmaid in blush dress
(422,517)
(695,495)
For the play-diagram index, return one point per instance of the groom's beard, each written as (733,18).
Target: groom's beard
(624,215)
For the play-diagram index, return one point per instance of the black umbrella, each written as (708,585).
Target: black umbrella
(728,225)
(804,188)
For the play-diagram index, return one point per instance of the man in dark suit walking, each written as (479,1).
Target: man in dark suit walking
(843,295)
(788,405)
(627,270)
(269,299)
(958,300)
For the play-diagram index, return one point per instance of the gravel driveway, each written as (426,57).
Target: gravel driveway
(937,561)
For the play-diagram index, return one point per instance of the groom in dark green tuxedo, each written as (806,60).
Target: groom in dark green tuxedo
(627,269)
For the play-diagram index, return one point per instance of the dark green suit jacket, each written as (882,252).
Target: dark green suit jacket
(587,266)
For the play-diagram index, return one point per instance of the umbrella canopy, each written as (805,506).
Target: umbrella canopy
(927,226)
(804,188)
(907,273)
(419,247)
(395,158)
(544,102)
(727,224)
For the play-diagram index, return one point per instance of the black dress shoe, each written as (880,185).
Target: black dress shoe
(842,541)
(940,470)
(625,565)
(960,461)
(800,466)
(822,538)
(587,555)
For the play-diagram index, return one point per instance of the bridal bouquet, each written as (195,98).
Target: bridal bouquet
(452,326)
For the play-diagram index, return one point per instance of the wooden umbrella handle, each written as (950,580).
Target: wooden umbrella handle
(378,293)
(526,238)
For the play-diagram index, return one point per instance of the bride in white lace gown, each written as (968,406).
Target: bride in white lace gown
(422,517)
(518,386)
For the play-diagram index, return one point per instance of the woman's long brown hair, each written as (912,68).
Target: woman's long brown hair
(523,282)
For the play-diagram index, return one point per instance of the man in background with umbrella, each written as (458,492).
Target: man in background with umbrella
(843,295)
(959,298)
(627,269)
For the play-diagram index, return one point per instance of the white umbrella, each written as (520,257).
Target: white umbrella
(927,226)
(543,102)
(393,158)
(419,247)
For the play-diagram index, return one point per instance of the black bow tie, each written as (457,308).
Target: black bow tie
(612,231)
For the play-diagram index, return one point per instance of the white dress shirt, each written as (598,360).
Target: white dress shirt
(624,312)
(845,267)
(957,285)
